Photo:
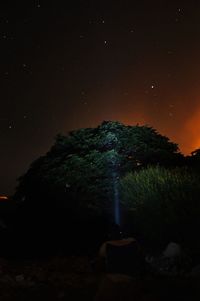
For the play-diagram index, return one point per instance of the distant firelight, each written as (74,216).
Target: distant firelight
(3,198)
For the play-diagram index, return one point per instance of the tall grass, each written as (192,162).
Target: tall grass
(164,204)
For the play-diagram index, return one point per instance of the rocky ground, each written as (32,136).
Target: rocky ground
(58,278)
(72,278)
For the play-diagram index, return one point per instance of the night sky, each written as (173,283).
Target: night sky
(73,65)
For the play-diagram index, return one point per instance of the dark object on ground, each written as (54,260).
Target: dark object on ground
(123,256)
(124,259)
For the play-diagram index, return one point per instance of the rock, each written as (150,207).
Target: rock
(172,250)
(61,295)
(19,278)
(195,272)
(7,279)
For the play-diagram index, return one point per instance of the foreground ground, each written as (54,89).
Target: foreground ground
(72,278)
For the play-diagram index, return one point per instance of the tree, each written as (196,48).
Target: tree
(81,169)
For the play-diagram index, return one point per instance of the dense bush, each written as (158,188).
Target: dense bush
(163,204)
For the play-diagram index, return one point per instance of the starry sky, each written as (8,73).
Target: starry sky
(72,64)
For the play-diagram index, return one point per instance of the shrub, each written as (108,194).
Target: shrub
(164,204)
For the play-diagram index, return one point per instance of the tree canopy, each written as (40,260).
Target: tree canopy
(80,168)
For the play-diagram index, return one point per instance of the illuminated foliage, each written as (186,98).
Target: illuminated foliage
(164,203)
(79,168)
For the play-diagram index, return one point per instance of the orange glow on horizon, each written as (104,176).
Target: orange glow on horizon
(3,198)
(193,131)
